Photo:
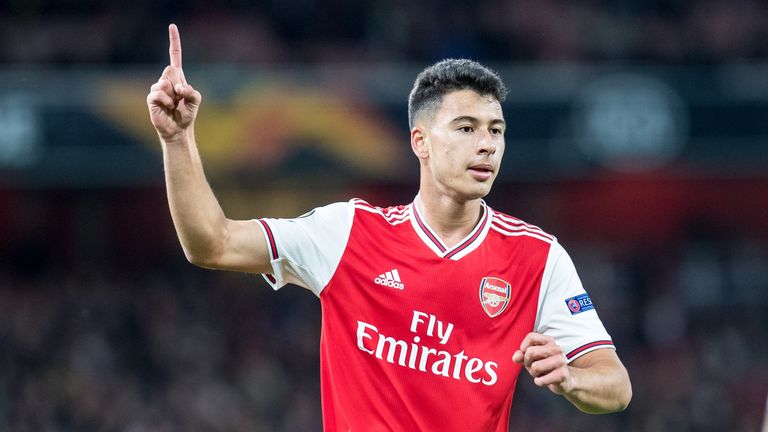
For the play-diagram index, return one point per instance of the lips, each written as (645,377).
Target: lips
(481,171)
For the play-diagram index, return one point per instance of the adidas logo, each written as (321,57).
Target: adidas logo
(390,279)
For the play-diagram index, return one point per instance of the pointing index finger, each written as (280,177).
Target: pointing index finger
(175,48)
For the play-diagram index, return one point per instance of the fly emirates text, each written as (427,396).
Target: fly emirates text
(414,356)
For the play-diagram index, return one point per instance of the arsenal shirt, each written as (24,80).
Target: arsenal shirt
(417,335)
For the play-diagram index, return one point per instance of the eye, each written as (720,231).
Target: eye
(497,131)
(466,129)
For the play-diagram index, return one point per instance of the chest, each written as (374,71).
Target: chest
(389,276)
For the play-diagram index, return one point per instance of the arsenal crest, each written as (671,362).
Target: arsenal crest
(494,295)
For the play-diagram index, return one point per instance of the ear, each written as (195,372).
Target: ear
(419,143)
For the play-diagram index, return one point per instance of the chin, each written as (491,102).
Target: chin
(477,191)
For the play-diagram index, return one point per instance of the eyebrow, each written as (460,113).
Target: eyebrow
(474,120)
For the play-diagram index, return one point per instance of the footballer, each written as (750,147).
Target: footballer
(431,309)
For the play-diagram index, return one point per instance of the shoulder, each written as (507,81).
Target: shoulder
(511,226)
(333,211)
(394,215)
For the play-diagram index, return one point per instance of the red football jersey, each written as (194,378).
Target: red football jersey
(418,336)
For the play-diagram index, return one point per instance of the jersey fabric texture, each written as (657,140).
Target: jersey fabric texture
(419,336)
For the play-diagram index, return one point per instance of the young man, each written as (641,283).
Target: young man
(431,309)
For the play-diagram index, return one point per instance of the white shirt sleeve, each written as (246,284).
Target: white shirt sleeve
(565,309)
(306,250)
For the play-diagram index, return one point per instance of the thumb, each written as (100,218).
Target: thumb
(517,357)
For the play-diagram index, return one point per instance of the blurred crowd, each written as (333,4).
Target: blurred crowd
(279,31)
(153,353)
(125,335)
(116,336)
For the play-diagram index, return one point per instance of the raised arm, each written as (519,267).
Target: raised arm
(208,238)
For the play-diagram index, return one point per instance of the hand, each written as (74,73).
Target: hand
(545,362)
(172,102)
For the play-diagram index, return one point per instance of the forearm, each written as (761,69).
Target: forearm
(601,387)
(197,216)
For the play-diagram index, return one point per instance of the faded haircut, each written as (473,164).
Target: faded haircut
(448,76)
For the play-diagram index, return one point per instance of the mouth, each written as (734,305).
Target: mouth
(481,171)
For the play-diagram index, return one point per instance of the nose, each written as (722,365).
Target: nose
(486,144)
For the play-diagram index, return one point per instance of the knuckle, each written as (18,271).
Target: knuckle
(158,99)
(535,353)
(154,99)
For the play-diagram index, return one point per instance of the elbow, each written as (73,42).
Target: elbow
(622,398)
(616,405)
(625,393)
(201,257)
(616,400)
(606,387)
(196,258)
(203,248)
(623,390)
(625,397)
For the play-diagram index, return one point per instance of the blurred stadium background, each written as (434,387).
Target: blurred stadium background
(638,134)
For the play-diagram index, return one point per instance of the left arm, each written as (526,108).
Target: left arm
(596,382)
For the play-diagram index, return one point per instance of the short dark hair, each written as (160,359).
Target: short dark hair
(448,76)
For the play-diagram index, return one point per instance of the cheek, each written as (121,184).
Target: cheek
(449,160)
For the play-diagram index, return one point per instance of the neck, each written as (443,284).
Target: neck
(451,219)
